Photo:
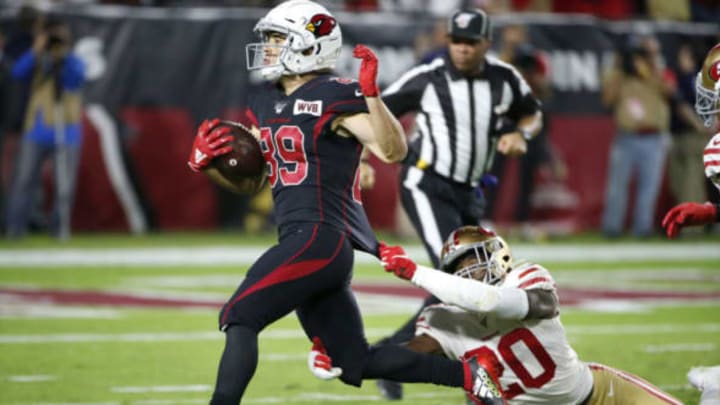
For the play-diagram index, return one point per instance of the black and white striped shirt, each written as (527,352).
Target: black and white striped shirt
(458,116)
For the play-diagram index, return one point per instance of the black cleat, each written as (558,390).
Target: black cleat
(390,390)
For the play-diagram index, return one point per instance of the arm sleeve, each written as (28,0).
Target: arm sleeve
(73,74)
(23,68)
(473,295)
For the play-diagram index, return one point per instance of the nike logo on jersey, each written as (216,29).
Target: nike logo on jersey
(279,106)
(199,156)
(358,93)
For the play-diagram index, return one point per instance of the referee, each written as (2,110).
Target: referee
(468,105)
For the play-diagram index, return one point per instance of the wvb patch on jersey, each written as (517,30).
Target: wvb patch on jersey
(308,107)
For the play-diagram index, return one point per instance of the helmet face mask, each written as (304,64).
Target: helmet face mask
(474,252)
(707,102)
(313,40)
(707,86)
(266,56)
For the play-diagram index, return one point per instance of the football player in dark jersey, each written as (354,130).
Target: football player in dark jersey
(312,127)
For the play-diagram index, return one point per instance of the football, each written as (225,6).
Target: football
(244,166)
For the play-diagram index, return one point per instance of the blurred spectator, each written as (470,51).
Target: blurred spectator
(22,30)
(51,127)
(511,37)
(20,36)
(638,93)
(433,44)
(540,154)
(689,135)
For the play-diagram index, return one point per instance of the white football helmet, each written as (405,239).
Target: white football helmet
(707,85)
(492,253)
(313,40)
(711,160)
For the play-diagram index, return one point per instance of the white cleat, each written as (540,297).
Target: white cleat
(705,378)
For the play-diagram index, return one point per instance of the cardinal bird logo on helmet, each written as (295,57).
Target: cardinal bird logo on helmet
(321,25)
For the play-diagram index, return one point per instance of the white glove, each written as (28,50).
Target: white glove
(320,363)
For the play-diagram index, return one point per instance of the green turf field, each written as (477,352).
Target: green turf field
(103,336)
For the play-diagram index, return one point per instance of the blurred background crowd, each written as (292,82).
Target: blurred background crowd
(99,101)
(679,10)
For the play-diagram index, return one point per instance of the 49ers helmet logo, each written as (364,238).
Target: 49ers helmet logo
(714,71)
(321,25)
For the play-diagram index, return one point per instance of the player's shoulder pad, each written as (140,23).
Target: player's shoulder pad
(527,275)
(342,88)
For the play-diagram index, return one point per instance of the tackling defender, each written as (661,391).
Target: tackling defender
(312,127)
(506,312)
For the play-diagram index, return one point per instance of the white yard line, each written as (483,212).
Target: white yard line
(238,255)
(307,397)
(278,334)
(162,388)
(681,347)
(71,403)
(31,378)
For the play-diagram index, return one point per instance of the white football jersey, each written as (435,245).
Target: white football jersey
(539,366)
(711,160)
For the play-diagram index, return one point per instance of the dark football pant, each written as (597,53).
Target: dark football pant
(436,206)
(310,271)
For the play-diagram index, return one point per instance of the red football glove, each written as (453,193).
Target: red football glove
(687,214)
(368,71)
(395,260)
(209,143)
(320,363)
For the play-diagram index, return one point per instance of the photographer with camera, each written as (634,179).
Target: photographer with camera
(51,128)
(640,98)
